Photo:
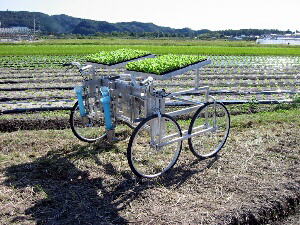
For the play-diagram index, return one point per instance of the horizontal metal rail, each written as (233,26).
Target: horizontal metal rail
(183,133)
(190,91)
(186,137)
(183,111)
(186,101)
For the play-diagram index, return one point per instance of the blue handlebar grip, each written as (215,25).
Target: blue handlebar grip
(79,90)
(105,100)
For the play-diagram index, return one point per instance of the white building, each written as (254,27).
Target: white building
(15,34)
(293,39)
(15,30)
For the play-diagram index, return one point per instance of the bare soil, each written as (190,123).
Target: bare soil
(293,219)
(50,177)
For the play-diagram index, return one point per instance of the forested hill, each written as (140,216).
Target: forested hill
(70,25)
(67,24)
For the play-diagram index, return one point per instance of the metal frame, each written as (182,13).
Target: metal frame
(126,98)
(132,101)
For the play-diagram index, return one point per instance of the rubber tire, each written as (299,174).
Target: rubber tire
(132,137)
(214,153)
(74,130)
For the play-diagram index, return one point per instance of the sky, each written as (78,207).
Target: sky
(194,14)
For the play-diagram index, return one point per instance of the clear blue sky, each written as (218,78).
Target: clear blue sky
(195,14)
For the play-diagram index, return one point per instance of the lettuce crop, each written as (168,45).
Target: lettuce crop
(117,56)
(164,64)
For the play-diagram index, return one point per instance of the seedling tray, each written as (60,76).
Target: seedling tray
(121,64)
(171,74)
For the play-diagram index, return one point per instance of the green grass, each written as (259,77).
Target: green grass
(123,41)
(281,113)
(84,49)
(46,114)
(160,42)
(265,118)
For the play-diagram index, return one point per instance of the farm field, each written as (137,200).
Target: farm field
(149,41)
(49,177)
(41,82)
(156,46)
(7,50)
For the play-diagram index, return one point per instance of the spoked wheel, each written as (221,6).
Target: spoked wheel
(89,128)
(212,122)
(145,156)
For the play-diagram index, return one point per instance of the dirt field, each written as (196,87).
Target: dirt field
(50,177)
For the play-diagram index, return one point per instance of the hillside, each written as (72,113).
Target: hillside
(63,24)
(67,24)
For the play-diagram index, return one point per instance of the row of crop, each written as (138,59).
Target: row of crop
(205,75)
(37,61)
(211,71)
(63,103)
(217,80)
(217,83)
(66,80)
(41,80)
(275,84)
(217,61)
(34,93)
(241,92)
(36,104)
(7,50)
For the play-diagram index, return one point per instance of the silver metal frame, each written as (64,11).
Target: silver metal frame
(133,101)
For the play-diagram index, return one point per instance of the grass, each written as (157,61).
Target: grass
(160,42)
(255,110)
(84,47)
(264,118)
(46,114)
(51,177)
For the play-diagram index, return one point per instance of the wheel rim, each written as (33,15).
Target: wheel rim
(89,128)
(209,143)
(146,160)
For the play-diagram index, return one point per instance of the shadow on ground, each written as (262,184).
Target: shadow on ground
(72,196)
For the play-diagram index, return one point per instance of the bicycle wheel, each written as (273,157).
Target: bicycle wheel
(212,121)
(89,128)
(145,157)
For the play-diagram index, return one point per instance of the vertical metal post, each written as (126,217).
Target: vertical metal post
(206,108)
(159,128)
(207,94)
(197,80)
(215,117)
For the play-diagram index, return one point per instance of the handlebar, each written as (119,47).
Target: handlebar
(77,64)
(67,64)
(147,81)
(113,78)
(81,68)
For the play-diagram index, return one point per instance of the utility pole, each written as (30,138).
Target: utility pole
(34,25)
